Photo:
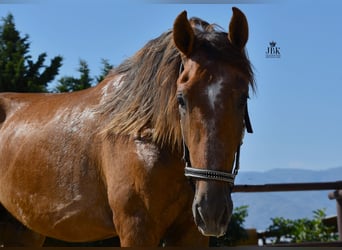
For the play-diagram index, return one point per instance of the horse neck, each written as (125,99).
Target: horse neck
(108,86)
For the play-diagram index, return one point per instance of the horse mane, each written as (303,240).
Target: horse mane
(146,99)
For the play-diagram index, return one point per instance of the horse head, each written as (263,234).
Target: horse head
(212,92)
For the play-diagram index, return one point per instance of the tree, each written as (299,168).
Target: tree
(18,72)
(302,230)
(106,68)
(70,83)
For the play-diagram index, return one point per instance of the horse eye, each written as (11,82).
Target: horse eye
(180,100)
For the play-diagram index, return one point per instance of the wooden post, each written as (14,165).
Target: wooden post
(337,195)
(339,217)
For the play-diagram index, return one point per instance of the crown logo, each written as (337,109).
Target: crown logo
(273,44)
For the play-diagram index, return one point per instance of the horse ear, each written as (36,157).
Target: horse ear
(183,35)
(238,29)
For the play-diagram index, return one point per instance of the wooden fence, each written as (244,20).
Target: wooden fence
(286,187)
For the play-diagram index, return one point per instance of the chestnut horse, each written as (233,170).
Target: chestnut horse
(107,161)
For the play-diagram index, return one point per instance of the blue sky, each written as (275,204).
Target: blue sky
(296,113)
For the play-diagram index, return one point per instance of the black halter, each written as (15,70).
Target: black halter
(207,174)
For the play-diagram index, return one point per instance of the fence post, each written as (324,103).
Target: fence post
(337,195)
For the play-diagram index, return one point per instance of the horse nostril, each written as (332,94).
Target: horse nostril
(199,217)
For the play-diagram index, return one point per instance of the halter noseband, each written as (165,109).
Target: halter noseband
(207,174)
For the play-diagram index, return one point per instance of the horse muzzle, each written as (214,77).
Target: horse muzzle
(212,212)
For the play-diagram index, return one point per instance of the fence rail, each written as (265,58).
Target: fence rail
(286,187)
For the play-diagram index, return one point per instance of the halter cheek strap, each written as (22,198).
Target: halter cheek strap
(248,123)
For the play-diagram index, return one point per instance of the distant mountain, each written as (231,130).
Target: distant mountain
(291,205)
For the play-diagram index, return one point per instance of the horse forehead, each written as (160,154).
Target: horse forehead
(214,93)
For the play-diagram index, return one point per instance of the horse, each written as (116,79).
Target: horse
(109,160)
